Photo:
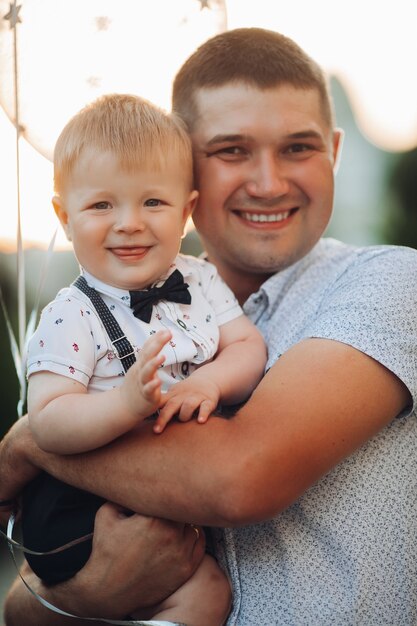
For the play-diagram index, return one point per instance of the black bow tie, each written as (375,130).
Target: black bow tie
(174,289)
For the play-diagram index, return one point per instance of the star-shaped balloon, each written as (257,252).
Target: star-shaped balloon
(13,14)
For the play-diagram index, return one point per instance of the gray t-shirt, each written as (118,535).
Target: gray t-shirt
(346,552)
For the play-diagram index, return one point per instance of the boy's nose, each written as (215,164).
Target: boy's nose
(130,219)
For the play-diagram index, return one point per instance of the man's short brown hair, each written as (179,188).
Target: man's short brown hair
(261,58)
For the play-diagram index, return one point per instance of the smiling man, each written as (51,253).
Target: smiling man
(266,179)
(314,479)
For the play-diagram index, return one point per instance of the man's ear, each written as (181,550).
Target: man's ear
(62,215)
(338,138)
(190,205)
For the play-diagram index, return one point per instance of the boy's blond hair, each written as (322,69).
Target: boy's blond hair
(138,132)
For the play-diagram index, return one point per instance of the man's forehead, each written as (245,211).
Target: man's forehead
(240,110)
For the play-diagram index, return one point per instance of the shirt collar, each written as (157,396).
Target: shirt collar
(108,290)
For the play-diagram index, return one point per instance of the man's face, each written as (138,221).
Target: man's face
(264,169)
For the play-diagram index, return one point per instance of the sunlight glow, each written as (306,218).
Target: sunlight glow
(370,47)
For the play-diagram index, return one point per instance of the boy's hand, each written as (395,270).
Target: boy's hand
(141,390)
(190,397)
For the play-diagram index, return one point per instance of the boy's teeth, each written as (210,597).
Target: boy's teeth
(266,217)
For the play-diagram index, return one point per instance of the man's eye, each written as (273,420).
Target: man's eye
(298,147)
(153,202)
(232,150)
(101,205)
(228,152)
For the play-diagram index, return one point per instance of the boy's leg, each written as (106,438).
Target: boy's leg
(204,600)
(53,514)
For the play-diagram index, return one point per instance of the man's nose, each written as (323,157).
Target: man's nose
(268,178)
(129,219)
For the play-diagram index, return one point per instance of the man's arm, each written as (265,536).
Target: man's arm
(317,404)
(129,554)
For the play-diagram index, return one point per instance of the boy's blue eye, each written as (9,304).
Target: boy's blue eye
(101,205)
(152,202)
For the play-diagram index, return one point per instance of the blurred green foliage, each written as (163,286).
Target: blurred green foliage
(400,227)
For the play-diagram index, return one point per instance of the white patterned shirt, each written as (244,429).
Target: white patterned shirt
(71,340)
(345,553)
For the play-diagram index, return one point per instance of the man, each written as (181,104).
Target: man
(314,478)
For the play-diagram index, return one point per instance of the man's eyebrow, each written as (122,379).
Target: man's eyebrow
(236,138)
(226,139)
(305,134)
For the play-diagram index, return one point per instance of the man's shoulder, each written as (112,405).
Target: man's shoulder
(384,266)
(334,259)
(383,252)
(329,251)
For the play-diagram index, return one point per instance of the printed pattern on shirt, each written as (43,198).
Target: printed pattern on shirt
(70,339)
(345,553)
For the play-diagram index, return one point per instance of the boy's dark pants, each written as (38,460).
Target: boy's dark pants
(53,514)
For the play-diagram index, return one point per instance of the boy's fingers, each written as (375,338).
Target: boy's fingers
(151,387)
(170,409)
(149,369)
(154,344)
(206,409)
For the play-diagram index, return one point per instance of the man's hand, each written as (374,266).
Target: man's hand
(15,470)
(191,397)
(135,562)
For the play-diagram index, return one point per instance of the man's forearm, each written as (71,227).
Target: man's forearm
(230,472)
(21,607)
(131,471)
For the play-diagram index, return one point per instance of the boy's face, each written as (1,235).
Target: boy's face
(125,226)
(264,170)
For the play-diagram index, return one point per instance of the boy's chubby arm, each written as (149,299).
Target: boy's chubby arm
(230,378)
(321,401)
(65,419)
(240,360)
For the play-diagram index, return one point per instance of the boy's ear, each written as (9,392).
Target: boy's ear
(62,215)
(190,205)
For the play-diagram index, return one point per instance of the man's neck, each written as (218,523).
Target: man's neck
(241,283)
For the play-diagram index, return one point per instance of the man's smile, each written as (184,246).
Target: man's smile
(259,218)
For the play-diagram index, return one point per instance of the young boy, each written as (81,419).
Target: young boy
(123,184)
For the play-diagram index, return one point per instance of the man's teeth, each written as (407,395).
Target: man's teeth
(265,217)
